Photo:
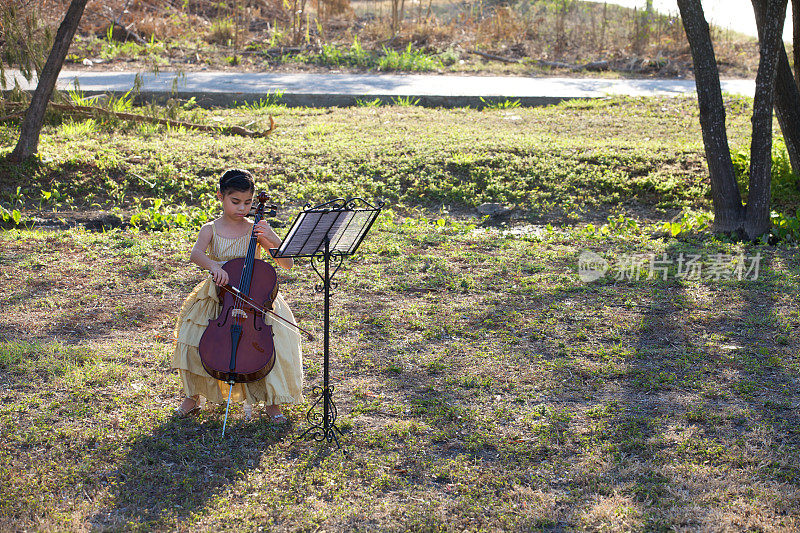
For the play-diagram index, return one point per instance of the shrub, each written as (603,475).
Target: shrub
(785,187)
(222,31)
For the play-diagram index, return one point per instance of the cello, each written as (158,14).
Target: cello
(237,346)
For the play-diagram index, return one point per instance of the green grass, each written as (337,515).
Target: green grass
(480,384)
(640,156)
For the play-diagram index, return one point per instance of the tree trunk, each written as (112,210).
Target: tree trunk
(796,39)
(787,96)
(757,220)
(32,123)
(787,108)
(728,209)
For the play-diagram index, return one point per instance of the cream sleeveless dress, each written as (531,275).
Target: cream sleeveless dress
(284,383)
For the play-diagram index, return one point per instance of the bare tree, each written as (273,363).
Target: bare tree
(34,118)
(796,39)
(729,213)
(787,95)
(757,221)
(728,209)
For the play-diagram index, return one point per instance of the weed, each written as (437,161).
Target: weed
(222,31)
(9,216)
(270,100)
(408,60)
(786,228)
(785,185)
(500,104)
(405,101)
(79,129)
(687,223)
(360,102)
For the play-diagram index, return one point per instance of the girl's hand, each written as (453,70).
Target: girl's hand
(265,232)
(219,275)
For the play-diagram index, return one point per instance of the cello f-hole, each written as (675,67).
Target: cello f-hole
(220,324)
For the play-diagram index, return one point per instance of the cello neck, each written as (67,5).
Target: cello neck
(247,273)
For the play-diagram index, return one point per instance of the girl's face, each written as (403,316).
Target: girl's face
(236,204)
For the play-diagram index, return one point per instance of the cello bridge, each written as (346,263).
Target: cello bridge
(238,313)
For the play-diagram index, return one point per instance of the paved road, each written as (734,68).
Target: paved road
(223,88)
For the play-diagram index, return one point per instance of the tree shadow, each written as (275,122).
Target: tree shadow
(681,412)
(628,406)
(175,470)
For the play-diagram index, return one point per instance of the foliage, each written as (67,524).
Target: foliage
(687,223)
(405,101)
(786,227)
(158,217)
(266,103)
(222,31)
(27,40)
(360,102)
(785,185)
(444,33)
(409,59)
(619,226)
(10,216)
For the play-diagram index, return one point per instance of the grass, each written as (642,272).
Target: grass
(643,157)
(481,385)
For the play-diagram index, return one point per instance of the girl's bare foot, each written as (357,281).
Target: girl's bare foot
(275,414)
(189,407)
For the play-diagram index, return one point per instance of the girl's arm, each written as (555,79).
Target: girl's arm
(199,257)
(267,238)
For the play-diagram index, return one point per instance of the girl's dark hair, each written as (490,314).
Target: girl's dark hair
(237,180)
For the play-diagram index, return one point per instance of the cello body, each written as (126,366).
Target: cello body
(237,346)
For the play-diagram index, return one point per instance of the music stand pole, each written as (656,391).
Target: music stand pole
(328,425)
(326,421)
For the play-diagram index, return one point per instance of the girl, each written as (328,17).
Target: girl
(224,239)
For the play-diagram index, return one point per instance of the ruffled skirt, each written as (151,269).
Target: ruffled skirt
(284,383)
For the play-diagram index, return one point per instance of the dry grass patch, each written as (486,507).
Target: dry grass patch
(542,37)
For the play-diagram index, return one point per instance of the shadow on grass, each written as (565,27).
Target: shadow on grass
(622,398)
(692,405)
(173,472)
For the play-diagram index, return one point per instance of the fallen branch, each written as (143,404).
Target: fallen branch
(118,23)
(594,65)
(90,110)
(556,64)
(231,130)
(494,57)
(12,116)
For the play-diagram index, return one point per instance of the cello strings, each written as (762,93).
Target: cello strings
(247,273)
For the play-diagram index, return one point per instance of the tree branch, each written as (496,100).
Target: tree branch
(93,110)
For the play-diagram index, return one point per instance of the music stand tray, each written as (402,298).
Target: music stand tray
(329,231)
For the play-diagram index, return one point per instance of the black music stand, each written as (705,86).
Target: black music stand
(328,231)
